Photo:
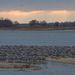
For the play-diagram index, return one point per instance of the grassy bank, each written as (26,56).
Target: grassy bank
(37,28)
(62,60)
(7,65)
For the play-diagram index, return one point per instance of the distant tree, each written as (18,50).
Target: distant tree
(56,23)
(33,22)
(43,23)
(73,23)
(66,23)
(16,23)
(1,18)
(6,22)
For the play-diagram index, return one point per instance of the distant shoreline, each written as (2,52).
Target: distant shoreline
(29,28)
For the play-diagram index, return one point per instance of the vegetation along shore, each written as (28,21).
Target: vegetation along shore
(7,24)
(7,65)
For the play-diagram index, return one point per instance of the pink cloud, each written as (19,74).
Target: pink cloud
(48,15)
(17,13)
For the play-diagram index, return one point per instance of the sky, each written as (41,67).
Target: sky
(24,11)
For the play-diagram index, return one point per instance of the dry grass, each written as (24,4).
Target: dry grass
(62,60)
(26,28)
(18,65)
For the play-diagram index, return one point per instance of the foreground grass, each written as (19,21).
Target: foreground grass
(7,65)
(62,60)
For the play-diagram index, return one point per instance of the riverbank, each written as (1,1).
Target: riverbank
(8,65)
(29,28)
(62,60)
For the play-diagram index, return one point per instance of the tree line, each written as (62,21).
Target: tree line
(35,22)
(8,23)
(44,23)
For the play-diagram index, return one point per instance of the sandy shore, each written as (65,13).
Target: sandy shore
(62,60)
(7,65)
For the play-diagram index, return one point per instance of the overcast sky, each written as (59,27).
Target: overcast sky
(59,6)
(28,5)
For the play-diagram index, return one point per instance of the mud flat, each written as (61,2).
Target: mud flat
(8,65)
(62,60)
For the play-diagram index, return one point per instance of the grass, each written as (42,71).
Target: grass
(7,65)
(29,28)
(62,60)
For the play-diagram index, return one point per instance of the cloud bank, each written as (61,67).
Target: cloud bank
(49,16)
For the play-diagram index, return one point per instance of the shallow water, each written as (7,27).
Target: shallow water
(40,38)
(53,68)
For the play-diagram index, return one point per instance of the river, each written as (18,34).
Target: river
(38,38)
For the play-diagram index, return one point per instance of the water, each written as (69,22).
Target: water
(39,38)
(54,68)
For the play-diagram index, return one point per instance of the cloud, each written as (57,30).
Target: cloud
(48,15)
(59,12)
(18,13)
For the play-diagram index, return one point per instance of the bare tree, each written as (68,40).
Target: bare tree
(33,22)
